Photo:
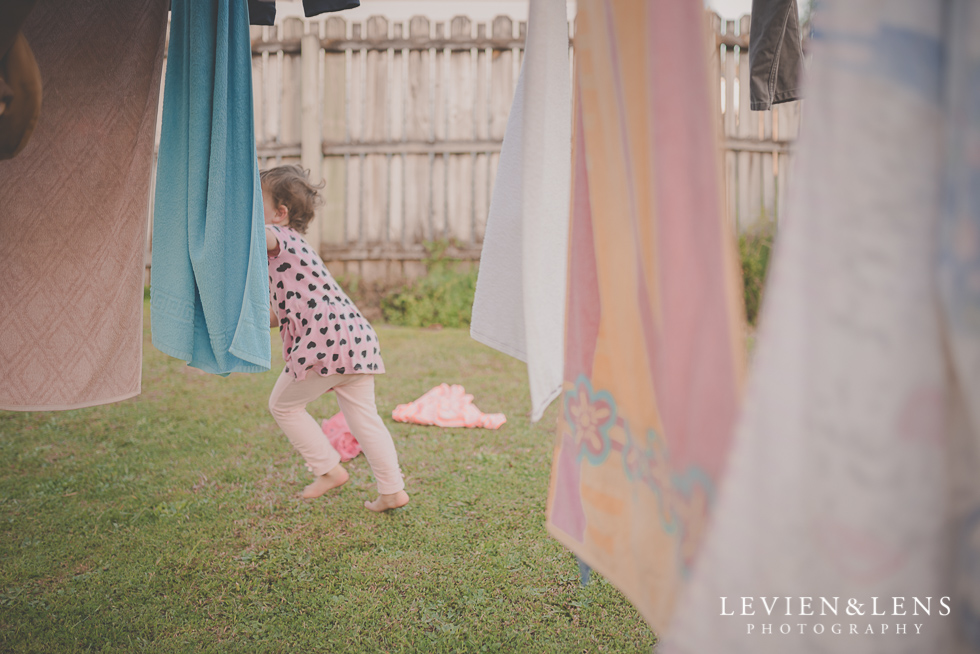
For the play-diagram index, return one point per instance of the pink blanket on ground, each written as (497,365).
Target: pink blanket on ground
(338,433)
(447,406)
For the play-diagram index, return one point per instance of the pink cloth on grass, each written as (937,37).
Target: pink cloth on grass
(338,433)
(447,406)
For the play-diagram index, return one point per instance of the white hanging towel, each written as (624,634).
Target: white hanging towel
(849,520)
(519,306)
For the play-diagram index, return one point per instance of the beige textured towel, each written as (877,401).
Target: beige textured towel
(73,208)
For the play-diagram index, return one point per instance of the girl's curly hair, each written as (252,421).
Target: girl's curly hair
(290,186)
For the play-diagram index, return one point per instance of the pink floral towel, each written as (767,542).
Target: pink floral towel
(447,406)
(338,433)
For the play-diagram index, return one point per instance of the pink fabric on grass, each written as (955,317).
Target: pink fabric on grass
(338,433)
(447,406)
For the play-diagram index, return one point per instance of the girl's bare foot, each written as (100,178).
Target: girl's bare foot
(387,502)
(336,477)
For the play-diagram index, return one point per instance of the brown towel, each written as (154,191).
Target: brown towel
(73,208)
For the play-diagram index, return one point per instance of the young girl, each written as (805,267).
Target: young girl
(327,345)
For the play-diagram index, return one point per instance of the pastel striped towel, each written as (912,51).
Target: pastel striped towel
(447,406)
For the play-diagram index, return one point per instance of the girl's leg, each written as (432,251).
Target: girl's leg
(288,406)
(355,396)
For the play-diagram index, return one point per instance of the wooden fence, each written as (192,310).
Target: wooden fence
(404,122)
(757,144)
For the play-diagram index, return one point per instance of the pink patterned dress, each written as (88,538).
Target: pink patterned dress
(322,331)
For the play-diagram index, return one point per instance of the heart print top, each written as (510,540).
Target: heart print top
(322,331)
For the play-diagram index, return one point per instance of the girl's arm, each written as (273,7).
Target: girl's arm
(272,246)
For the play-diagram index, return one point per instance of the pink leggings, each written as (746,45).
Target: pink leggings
(355,395)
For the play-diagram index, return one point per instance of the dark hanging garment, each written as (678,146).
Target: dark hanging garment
(775,53)
(317,7)
(263,12)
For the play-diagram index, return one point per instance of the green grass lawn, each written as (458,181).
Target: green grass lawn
(170,523)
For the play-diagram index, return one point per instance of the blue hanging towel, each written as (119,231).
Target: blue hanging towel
(209,296)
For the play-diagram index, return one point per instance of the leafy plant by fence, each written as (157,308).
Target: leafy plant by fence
(443,296)
(754,249)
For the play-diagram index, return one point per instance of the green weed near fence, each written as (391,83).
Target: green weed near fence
(444,296)
(754,249)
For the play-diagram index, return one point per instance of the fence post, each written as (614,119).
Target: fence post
(730,129)
(334,131)
(418,127)
(459,218)
(502,83)
(481,117)
(311,138)
(396,133)
(788,125)
(291,92)
(375,113)
(748,127)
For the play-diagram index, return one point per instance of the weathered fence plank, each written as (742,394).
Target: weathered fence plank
(310,134)
(396,134)
(418,127)
(502,80)
(375,171)
(290,122)
(768,171)
(788,126)
(272,76)
(749,178)
(481,118)
(439,120)
(355,121)
(258,95)
(730,124)
(460,127)
(334,130)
